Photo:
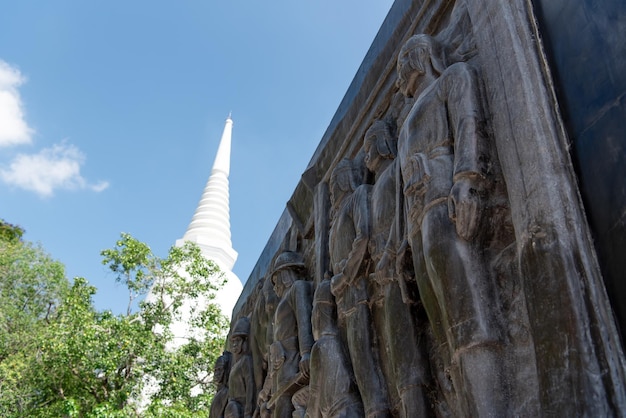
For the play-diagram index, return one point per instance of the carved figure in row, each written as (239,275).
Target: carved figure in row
(221,373)
(262,329)
(275,362)
(241,388)
(349,237)
(444,164)
(293,338)
(426,205)
(404,363)
(332,392)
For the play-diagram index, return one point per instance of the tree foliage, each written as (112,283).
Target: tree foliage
(61,357)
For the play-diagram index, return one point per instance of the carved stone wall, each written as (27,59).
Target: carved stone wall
(584,44)
(435,257)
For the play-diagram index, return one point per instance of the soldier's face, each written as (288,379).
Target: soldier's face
(283,279)
(340,184)
(236,344)
(278,288)
(408,77)
(218,372)
(372,158)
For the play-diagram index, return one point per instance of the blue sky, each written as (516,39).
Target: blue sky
(111,113)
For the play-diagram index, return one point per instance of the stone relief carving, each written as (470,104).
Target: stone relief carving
(262,329)
(407,268)
(349,239)
(300,399)
(404,363)
(241,389)
(422,311)
(293,338)
(407,242)
(221,373)
(332,388)
(444,164)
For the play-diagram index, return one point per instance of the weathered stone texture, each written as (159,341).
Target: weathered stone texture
(587,54)
(440,227)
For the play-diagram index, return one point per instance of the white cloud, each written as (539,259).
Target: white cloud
(13,128)
(48,170)
(52,168)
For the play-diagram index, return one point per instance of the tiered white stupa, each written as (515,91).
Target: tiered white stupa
(210,229)
(210,225)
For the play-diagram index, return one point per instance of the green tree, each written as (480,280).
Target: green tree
(9,232)
(81,362)
(32,286)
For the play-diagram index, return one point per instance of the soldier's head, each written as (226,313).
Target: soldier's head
(288,267)
(345,178)
(418,56)
(269,295)
(378,145)
(221,370)
(239,336)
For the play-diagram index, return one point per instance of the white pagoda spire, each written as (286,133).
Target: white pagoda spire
(210,229)
(210,225)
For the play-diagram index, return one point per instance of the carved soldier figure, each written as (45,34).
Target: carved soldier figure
(443,155)
(262,331)
(221,372)
(276,359)
(241,389)
(349,236)
(332,390)
(404,363)
(293,338)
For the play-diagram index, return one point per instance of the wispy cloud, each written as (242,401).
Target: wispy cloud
(13,128)
(48,170)
(51,169)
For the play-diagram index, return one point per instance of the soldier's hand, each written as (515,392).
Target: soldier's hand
(385,268)
(263,397)
(464,208)
(305,365)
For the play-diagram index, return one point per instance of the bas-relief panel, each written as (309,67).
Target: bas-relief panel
(401,293)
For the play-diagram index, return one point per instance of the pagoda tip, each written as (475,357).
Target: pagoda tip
(229,115)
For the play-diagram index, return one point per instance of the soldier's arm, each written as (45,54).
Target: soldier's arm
(302,306)
(361,218)
(467,124)
(471,162)
(250,389)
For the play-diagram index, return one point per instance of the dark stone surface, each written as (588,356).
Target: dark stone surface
(586,47)
(544,318)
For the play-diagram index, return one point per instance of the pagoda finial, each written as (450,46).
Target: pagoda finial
(210,225)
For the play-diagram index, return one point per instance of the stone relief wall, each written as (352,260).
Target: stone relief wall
(434,260)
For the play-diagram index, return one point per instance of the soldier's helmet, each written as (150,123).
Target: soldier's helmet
(241,328)
(287,259)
